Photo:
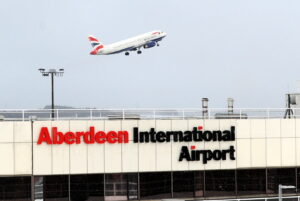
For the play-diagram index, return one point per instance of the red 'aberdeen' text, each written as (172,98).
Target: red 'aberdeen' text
(89,137)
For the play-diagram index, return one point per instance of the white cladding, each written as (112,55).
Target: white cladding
(259,143)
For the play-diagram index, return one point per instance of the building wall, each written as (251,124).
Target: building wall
(259,143)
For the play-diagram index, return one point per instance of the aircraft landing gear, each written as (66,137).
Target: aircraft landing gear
(126,53)
(139,52)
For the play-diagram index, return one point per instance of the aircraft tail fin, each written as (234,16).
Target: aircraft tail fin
(94,41)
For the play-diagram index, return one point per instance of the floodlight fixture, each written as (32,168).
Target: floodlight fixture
(52,72)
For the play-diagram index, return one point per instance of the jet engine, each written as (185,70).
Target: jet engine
(150,44)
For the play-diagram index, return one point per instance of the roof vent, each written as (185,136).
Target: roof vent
(205,108)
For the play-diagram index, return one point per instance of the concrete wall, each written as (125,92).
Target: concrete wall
(259,143)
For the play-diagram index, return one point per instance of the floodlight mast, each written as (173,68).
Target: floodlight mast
(52,72)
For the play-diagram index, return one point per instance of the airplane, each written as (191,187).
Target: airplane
(147,40)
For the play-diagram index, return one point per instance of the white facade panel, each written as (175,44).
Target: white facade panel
(23,158)
(78,152)
(163,156)
(273,152)
(194,165)
(37,125)
(147,151)
(98,124)
(7,132)
(258,153)
(147,157)
(163,125)
(211,124)
(297,125)
(78,158)
(144,125)
(182,125)
(258,144)
(191,123)
(128,125)
(273,128)
(226,124)
(22,131)
(176,164)
(243,153)
(95,158)
(7,158)
(212,164)
(95,152)
(163,150)
(113,158)
(112,152)
(61,159)
(60,152)
(258,128)
(130,157)
(130,151)
(42,159)
(228,163)
(288,128)
(243,129)
(298,151)
(288,152)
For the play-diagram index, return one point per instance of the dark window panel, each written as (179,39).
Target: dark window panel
(121,186)
(132,186)
(183,184)
(155,185)
(251,182)
(15,188)
(85,187)
(56,188)
(298,180)
(284,176)
(199,183)
(219,183)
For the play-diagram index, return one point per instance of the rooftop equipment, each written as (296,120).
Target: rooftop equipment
(205,108)
(230,112)
(292,105)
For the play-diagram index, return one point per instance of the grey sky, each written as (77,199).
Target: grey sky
(248,50)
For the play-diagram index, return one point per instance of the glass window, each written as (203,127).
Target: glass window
(121,186)
(132,180)
(39,188)
(284,176)
(56,187)
(183,184)
(87,187)
(199,184)
(155,185)
(251,182)
(220,183)
(298,180)
(15,188)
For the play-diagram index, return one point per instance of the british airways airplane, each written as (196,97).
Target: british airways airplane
(146,40)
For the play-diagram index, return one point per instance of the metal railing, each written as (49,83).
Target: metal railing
(192,113)
(288,198)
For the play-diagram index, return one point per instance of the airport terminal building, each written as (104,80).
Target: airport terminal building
(135,158)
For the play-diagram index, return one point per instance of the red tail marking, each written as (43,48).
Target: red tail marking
(93,39)
(95,51)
